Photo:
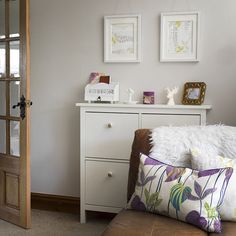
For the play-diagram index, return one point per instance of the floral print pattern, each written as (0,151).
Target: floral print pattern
(182,193)
(201,161)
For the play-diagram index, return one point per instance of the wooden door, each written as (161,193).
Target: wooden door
(14,123)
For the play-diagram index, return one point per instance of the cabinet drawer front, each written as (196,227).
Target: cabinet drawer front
(154,120)
(106,183)
(109,135)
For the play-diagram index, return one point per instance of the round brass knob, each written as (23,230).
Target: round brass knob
(109,125)
(109,174)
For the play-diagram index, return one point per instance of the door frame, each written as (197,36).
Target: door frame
(15,191)
(25,193)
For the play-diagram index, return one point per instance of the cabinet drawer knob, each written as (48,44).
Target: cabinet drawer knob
(109,174)
(109,125)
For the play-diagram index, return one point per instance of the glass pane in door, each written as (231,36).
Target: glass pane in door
(2,98)
(2,60)
(14,97)
(2,19)
(14,18)
(15,138)
(3,136)
(15,59)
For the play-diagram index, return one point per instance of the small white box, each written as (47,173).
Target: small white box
(102,92)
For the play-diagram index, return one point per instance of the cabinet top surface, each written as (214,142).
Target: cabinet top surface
(143,106)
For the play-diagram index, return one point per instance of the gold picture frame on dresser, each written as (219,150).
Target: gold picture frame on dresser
(194,93)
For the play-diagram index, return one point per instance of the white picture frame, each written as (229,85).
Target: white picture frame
(179,40)
(122,39)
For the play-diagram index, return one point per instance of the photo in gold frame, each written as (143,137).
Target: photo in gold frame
(194,93)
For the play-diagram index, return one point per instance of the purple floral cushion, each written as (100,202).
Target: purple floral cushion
(182,193)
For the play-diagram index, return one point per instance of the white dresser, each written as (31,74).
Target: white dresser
(106,135)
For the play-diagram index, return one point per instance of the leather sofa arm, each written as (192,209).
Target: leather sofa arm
(141,144)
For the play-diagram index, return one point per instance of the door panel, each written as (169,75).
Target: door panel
(151,121)
(14,130)
(108,131)
(12,191)
(103,190)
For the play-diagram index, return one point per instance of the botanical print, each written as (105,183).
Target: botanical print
(201,160)
(123,39)
(182,193)
(180,35)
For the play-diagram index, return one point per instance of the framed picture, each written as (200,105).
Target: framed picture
(179,37)
(194,93)
(122,38)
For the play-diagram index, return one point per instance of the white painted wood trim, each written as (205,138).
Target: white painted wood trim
(82,166)
(143,106)
(106,160)
(102,208)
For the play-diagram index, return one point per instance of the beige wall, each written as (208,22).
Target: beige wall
(67,44)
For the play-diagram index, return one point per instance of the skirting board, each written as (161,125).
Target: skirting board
(55,203)
(64,204)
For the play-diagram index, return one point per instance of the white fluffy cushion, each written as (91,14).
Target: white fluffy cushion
(172,144)
(202,161)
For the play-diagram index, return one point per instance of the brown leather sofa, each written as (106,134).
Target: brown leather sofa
(135,223)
